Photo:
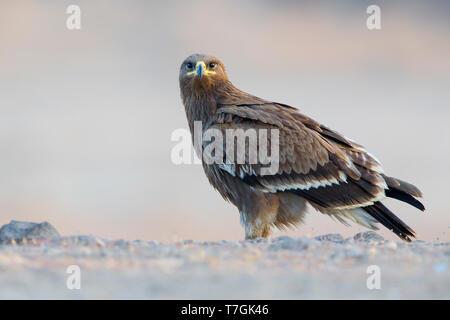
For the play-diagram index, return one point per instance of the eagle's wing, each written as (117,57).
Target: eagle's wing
(315,162)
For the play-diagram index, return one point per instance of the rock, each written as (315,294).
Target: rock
(16,231)
(258,240)
(334,237)
(349,240)
(283,238)
(99,242)
(209,243)
(368,236)
(288,243)
(140,243)
(121,243)
(232,243)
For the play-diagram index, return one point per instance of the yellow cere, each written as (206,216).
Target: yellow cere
(205,71)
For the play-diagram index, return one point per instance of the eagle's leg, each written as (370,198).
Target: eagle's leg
(258,218)
(256,229)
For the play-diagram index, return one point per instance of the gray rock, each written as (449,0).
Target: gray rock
(122,243)
(334,237)
(18,230)
(368,236)
(288,243)
(283,238)
(258,240)
(209,243)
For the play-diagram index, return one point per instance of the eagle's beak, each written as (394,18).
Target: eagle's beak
(200,69)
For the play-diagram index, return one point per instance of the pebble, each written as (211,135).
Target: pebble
(330,237)
(368,236)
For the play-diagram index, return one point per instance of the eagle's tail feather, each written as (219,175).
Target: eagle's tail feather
(405,197)
(387,218)
(403,191)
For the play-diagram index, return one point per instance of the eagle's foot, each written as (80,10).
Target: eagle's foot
(256,229)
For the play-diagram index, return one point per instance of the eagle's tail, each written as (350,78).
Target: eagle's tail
(403,191)
(387,218)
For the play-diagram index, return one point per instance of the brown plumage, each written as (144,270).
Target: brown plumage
(317,165)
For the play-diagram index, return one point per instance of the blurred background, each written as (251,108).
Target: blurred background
(86,115)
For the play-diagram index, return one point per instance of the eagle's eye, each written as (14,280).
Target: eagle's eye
(212,65)
(189,66)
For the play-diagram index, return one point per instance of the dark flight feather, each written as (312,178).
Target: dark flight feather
(405,197)
(390,221)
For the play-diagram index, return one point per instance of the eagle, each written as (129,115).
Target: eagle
(316,165)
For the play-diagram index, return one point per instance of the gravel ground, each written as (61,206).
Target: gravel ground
(326,267)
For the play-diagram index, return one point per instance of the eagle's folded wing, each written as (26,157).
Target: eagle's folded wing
(314,162)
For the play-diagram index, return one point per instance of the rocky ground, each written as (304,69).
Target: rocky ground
(35,260)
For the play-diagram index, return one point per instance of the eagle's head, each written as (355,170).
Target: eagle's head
(200,71)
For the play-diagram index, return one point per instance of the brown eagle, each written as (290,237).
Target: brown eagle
(316,165)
